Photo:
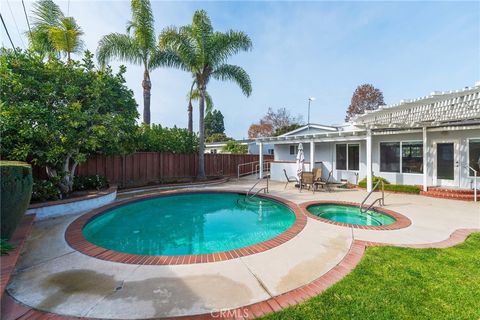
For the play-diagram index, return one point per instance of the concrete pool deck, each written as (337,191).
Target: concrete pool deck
(53,277)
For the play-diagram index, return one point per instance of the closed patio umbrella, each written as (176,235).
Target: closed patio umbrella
(300,161)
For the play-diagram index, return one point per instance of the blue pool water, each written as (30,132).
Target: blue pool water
(350,215)
(195,223)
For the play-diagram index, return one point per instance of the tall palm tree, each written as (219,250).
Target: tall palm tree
(53,33)
(194,95)
(137,46)
(204,52)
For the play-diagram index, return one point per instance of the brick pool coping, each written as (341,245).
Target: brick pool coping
(12,309)
(75,238)
(401,221)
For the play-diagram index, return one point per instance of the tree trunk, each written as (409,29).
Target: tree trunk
(201,135)
(66,178)
(147,85)
(190,115)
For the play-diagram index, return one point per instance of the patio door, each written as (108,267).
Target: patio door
(447,170)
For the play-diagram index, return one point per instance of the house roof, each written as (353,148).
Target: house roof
(320,127)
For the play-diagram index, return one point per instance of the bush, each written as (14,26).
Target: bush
(90,183)
(363,182)
(391,187)
(16,191)
(5,247)
(45,190)
(159,139)
(235,147)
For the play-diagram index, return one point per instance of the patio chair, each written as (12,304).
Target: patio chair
(289,179)
(307,180)
(325,183)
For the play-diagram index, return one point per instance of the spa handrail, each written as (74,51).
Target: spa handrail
(380,200)
(475,175)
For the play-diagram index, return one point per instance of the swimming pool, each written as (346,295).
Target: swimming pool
(188,224)
(350,215)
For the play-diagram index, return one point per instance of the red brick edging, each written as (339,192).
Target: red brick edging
(10,260)
(75,238)
(12,309)
(401,221)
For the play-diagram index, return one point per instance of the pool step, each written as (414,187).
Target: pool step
(449,193)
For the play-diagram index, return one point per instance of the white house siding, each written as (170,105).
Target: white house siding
(325,153)
(460,137)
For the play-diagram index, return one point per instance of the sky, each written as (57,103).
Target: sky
(300,50)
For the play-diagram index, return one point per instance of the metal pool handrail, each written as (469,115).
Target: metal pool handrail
(475,174)
(265,189)
(380,200)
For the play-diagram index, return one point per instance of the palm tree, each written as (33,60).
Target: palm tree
(138,46)
(194,95)
(204,52)
(53,33)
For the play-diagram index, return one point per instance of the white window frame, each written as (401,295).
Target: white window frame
(401,157)
(359,155)
(468,157)
(295,149)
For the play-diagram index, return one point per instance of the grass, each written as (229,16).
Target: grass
(402,283)
(391,187)
(5,247)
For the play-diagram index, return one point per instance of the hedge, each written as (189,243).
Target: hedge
(391,187)
(16,191)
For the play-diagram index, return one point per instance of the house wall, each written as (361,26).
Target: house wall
(325,158)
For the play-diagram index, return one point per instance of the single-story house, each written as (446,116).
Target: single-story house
(428,141)
(253,147)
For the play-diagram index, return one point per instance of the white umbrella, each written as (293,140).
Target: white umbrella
(300,161)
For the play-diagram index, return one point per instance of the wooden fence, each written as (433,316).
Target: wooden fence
(144,168)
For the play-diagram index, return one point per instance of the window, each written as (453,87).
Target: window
(474,155)
(293,149)
(341,157)
(347,157)
(412,157)
(270,152)
(390,156)
(353,156)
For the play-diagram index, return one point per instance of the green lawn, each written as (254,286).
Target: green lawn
(402,283)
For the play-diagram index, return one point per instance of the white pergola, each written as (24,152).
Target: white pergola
(451,110)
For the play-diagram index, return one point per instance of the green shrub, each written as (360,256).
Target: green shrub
(5,247)
(363,182)
(16,190)
(156,138)
(45,190)
(391,187)
(235,147)
(90,183)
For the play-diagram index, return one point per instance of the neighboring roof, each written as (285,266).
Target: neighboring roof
(436,109)
(319,127)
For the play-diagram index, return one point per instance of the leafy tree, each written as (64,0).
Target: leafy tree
(204,53)
(138,47)
(217,137)
(53,33)
(155,138)
(235,147)
(285,129)
(56,115)
(214,123)
(275,123)
(263,129)
(365,97)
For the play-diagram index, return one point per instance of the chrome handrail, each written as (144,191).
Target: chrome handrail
(475,174)
(265,189)
(380,200)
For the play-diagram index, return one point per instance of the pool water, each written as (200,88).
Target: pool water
(350,215)
(185,224)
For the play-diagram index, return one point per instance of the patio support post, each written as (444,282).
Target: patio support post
(369,160)
(260,158)
(425,159)
(312,155)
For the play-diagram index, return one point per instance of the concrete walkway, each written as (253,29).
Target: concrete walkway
(53,277)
